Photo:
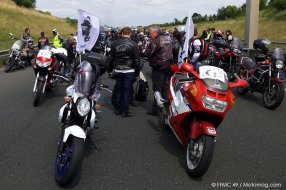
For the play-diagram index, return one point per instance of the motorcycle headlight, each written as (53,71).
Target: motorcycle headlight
(214,104)
(45,64)
(279,64)
(235,50)
(83,107)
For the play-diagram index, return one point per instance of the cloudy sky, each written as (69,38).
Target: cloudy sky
(134,12)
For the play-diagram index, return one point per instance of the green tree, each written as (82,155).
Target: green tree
(26,3)
(262,4)
(278,4)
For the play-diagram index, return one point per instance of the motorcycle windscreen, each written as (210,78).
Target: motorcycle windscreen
(278,53)
(19,44)
(236,43)
(214,78)
(86,81)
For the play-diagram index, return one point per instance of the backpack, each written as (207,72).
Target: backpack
(204,52)
(142,89)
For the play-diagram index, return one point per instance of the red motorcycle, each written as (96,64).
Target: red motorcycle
(262,74)
(46,67)
(197,105)
(226,56)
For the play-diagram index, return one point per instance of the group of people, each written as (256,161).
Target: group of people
(57,43)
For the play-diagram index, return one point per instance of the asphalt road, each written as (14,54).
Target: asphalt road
(135,153)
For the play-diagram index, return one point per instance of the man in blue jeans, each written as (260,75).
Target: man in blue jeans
(124,58)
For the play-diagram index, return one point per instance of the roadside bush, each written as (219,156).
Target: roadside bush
(26,3)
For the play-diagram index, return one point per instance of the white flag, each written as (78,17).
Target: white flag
(189,33)
(87,31)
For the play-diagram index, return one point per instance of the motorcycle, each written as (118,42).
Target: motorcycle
(78,118)
(197,105)
(226,56)
(46,68)
(16,58)
(262,75)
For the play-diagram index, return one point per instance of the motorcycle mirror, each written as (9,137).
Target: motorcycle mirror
(11,36)
(187,67)
(238,83)
(175,68)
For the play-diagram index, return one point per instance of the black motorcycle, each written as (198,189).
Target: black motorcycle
(262,74)
(16,58)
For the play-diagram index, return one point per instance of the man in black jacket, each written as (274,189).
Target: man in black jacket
(159,53)
(125,60)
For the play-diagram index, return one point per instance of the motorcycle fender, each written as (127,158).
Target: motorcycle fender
(74,130)
(61,113)
(199,128)
(277,80)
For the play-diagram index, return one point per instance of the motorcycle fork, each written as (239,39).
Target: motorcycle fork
(64,126)
(269,81)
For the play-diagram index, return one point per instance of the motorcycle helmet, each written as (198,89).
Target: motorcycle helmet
(55,30)
(86,81)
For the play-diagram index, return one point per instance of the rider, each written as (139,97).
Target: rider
(195,50)
(58,40)
(27,38)
(43,40)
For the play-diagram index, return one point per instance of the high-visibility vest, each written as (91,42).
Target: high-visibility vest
(208,36)
(57,42)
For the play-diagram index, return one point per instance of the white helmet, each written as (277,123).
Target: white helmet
(55,30)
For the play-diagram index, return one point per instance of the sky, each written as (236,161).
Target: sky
(134,12)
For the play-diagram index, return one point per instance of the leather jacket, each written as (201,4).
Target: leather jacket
(159,52)
(124,55)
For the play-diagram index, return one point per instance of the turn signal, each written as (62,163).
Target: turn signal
(232,100)
(267,62)
(67,99)
(97,106)
(193,90)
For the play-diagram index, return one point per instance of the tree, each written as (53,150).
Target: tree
(278,4)
(26,3)
(262,4)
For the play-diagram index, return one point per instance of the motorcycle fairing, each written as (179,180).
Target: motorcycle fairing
(74,130)
(182,106)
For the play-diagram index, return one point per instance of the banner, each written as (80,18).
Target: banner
(87,31)
(189,33)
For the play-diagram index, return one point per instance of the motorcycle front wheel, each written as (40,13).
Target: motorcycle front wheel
(273,95)
(199,155)
(9,65)
(68,161)
(38,92)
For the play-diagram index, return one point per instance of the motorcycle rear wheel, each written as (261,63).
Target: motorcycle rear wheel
(38,93)
(199,155)
(274,98)
(9,65)
(69,160)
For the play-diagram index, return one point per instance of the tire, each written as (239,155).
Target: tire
(241,91)
(9,65)
(165,122)
(68,165)
(197,165)
(273,99)
(38,92)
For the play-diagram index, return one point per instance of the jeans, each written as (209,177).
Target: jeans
(124,83)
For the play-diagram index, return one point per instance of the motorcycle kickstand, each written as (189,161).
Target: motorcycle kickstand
(94,146)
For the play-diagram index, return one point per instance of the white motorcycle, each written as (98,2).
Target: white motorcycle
(78,118)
